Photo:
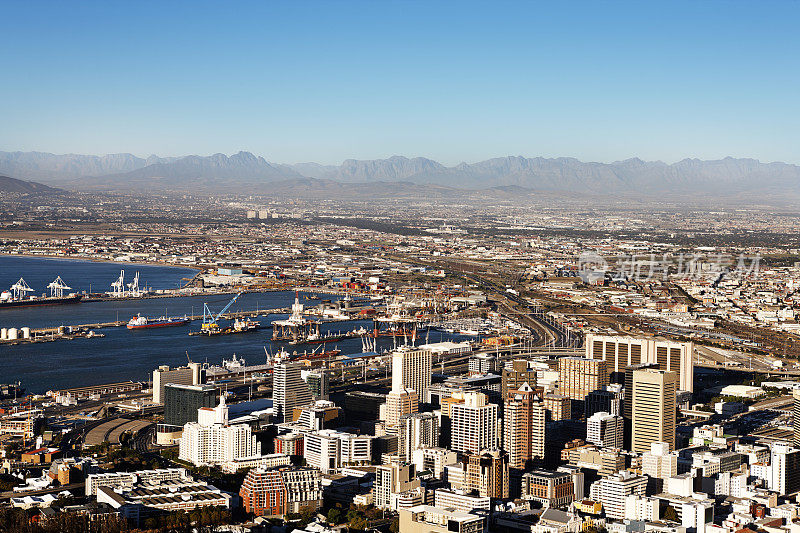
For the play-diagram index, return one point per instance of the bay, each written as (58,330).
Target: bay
(133,354)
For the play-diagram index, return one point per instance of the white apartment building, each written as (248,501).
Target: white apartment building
(605,430)
(433,460)
(126,480)
(459,500)
(390,481)
(417,430)
(246,463)
(329,450)
(212,441)
(612,492)
(473,424)
(659,462)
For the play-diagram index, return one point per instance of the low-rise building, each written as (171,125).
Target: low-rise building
(282,490)
(551,489)
(428,519)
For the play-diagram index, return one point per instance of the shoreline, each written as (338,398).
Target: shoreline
(99,260)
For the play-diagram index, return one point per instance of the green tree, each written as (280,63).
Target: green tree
(334,516)
(670,514)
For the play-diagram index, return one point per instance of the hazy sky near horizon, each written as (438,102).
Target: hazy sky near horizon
(453,81)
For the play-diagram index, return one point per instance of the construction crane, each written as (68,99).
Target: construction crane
(209,320)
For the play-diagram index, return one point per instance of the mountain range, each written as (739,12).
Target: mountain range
(747,179)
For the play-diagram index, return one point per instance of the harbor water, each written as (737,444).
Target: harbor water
(133,354)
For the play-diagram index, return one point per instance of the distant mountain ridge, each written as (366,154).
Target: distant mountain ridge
(245,172)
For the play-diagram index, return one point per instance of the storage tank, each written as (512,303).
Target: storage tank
(3,333)
(26,332)
(12,334)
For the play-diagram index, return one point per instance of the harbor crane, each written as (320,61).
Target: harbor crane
(20,288)
(133,287)
(118,287)
(57,287)
(209,320)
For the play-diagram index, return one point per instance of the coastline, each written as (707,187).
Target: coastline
(100,260)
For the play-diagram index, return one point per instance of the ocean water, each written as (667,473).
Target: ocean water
(133,354)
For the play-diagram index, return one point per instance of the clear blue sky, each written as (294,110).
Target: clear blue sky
(454,81)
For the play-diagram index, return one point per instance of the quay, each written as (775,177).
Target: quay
(86,393)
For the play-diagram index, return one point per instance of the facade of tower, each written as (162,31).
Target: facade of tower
(398,404)
(578,376)
(487,473)
(653,409)
(620,352)
(524,427)
(516,373)
(411,369)
(289,390)
(417,430)
(473,424)
(796,416)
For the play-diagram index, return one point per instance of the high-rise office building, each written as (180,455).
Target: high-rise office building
(609,399)
(659,464)
(184,375)
(289,390)
(417,430)
(621,352)
(318,383)
(653,409)
(558,407)
(627,403)
(784,470)
(524,419)
(181,402)
(578,376)
(604,430)
(391,480)
(487,473)
(516,373)
(473,424)
(321,414)
(398,404)
(411,369)
(796,416)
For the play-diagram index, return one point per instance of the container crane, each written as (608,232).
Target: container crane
(209,320)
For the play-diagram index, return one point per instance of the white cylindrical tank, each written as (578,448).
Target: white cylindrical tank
(12,334)
(3,333)
(26,332)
